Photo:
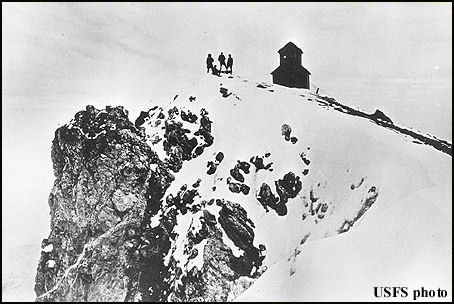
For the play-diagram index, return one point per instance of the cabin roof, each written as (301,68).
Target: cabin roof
(289,47)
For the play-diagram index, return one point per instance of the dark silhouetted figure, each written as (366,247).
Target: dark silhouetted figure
(221,59)
(209,63)
(215,71)
(229,64)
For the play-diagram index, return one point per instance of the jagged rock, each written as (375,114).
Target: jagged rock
(379,115)
(219,157)
(237,187)
(222,276)
(141,119)
(175,136)
(224,92)
(189,117)
(173,112)
(105,189)
(235,173)
(179,144)
(205,128)
(197,151)
(243,166)
(239,228)
(305,159)
(183,200)
(209,218)
(286,131)
(197,183)
(367,202)
(211,168)
(235,223)
(258,163)
(287,187)
(266,197)
(245,189)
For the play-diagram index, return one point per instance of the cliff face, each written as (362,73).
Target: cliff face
(108,182)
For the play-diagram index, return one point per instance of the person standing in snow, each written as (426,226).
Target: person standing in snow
(221,59)
(229,64)
(209,63)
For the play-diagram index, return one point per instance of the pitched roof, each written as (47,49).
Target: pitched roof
(290,46)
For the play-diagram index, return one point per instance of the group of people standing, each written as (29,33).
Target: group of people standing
(221,59)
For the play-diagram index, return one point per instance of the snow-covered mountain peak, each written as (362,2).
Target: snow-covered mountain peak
(227,181)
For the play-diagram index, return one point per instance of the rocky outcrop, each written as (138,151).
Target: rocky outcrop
(173,131)
(257,161)
(379,115)
(287,187)
(222,276)
(213,165)
(369,199)
(108,184)
(237,187)
(113,233)
(184,200)
(121,231)
(239,228)
(240,166)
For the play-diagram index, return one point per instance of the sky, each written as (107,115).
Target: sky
(59,57)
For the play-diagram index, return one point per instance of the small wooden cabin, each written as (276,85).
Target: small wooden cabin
(290,72)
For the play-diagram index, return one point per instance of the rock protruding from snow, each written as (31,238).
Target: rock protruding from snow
(212,165)
(287,187)
(177,134)
(259,164)
(366,203)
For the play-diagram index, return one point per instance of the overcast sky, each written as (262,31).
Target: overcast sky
(397,40)
(58,57)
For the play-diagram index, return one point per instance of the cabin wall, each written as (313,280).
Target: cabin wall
(303,81)
(290,59)
(292,80)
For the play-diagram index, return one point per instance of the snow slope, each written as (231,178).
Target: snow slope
(403,238)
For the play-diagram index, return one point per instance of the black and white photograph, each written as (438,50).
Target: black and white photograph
(226,151)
